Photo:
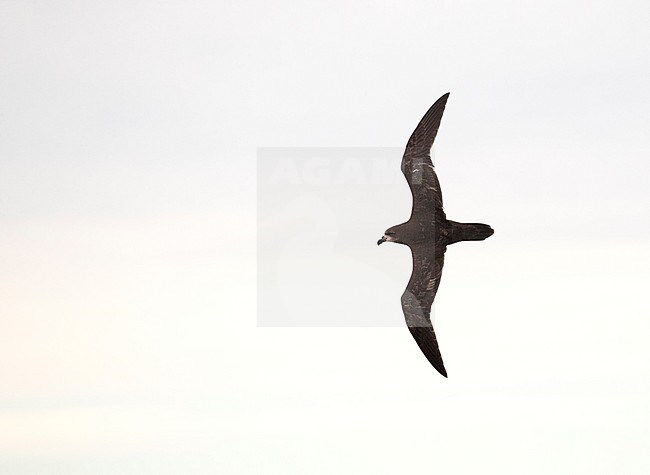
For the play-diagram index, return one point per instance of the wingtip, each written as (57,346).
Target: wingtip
(443,99)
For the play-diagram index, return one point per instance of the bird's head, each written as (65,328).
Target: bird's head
(391,235)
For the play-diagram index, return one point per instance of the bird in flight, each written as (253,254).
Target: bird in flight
(427,233)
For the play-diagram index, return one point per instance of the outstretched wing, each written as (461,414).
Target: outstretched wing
(418,298)
(416,162)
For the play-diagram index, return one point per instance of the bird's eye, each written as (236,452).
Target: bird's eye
(390,233)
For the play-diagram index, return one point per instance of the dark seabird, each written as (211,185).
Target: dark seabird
(427,233)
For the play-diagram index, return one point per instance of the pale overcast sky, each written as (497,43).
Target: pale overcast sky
(130,340)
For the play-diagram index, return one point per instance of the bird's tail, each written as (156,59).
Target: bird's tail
(475,231)
(468,232)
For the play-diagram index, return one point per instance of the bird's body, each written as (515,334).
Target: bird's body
(427,233)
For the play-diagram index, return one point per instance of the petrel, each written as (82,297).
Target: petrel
(427,233)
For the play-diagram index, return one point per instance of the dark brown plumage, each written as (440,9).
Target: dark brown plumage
(427,233)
